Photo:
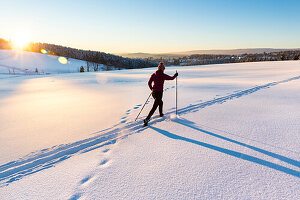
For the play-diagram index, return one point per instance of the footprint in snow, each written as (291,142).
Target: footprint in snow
(87,180)
(104,162)
(75,196)
(106,150)
(83,181)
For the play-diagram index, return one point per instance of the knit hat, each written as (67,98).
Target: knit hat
(161,66)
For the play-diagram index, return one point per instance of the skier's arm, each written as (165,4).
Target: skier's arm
(167,77)
(150,82)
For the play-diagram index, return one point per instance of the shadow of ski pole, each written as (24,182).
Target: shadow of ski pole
(231,153)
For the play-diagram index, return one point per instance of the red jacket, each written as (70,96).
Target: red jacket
(159,78)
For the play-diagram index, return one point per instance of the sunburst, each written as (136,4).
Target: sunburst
(20,40)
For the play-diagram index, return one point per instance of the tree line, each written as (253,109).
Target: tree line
(109,60)
(204,59)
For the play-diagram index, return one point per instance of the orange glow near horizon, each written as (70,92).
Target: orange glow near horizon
(20,40)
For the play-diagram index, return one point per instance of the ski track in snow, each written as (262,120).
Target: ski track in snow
(46,158)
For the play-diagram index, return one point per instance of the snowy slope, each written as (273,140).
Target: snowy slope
(22,62)
(73,136)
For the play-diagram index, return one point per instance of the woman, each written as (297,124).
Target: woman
(158,78)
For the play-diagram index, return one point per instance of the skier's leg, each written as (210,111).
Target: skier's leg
(160,105)
(155,104)
(161,108)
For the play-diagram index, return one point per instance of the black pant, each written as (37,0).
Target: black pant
(157,95)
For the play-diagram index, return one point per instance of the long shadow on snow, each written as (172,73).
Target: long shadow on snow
(188,123)
(46,158)
(230,152)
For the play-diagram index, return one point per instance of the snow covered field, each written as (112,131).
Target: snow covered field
(22,62)
(73,136)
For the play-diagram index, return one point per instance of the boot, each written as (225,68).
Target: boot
(146,122)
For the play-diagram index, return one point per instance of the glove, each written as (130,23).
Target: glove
(176,74)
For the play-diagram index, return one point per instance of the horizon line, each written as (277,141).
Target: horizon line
(166,52)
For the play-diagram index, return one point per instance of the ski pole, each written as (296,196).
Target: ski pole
(143,107)
(176,94)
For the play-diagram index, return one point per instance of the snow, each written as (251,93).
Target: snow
(22,62)
(73,136)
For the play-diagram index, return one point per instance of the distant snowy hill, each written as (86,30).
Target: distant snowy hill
(97,60)
(23,62)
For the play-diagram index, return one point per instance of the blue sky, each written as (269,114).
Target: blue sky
(155,26)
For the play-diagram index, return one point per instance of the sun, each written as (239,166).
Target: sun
(20,40)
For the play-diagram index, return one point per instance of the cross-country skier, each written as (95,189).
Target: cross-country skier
(158,78)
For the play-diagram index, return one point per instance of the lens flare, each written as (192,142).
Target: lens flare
(43,51)
(63,60)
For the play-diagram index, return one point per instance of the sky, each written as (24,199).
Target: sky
(154,26)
